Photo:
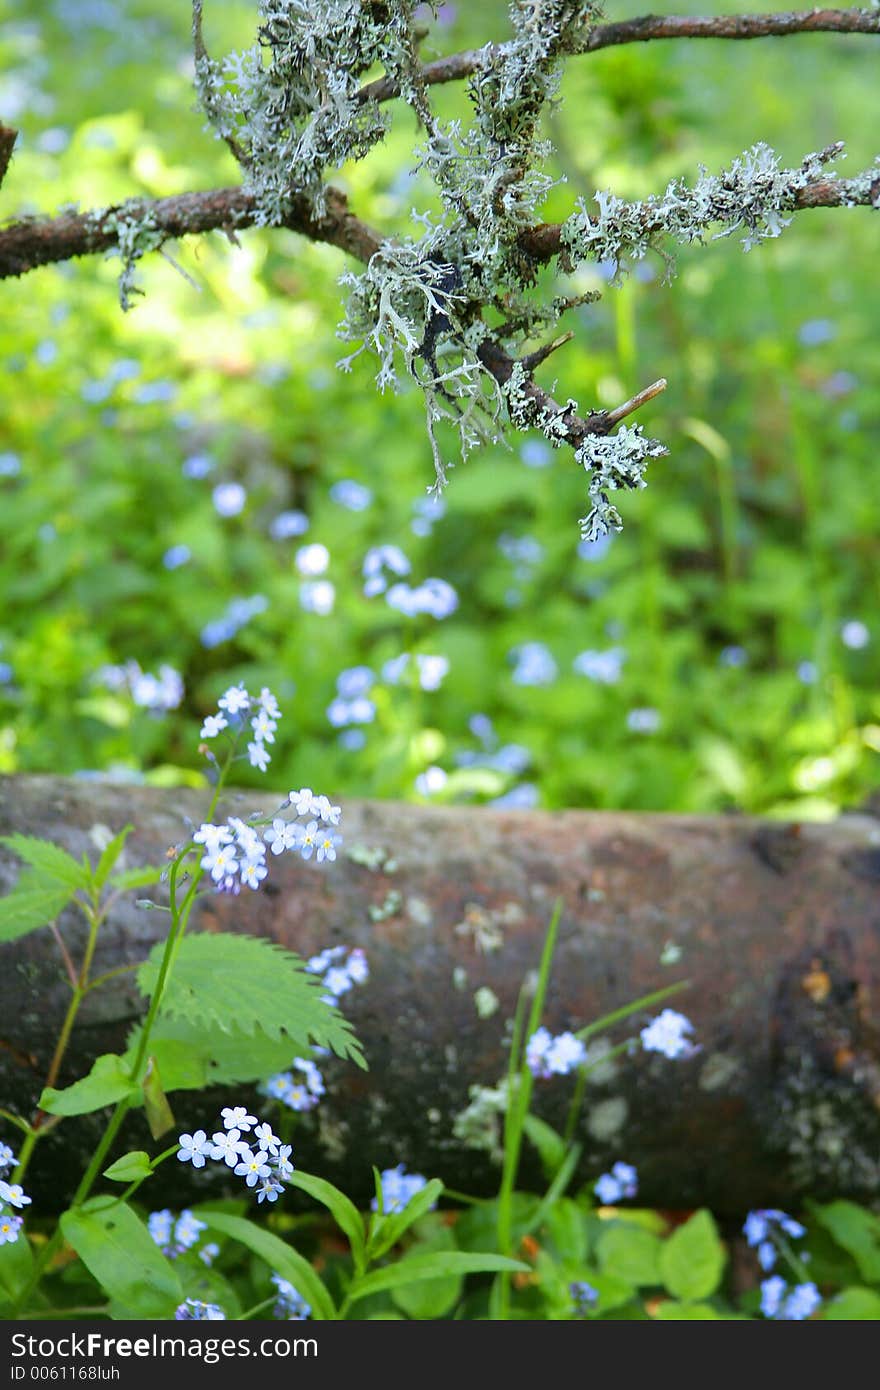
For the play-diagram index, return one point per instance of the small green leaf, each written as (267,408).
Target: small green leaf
(110,855)
(430,1298)
(33,903)
(387,1230)
(159,1115)
(692,1259)
(131,1167)
(137,878)
(854,1305)
(672,1311)
(437,1266)
(551,1146)
(49,860)
(857,1231)
(630,1253)
(116,1247)
(107,1082)
(345,1213)
(279,1256)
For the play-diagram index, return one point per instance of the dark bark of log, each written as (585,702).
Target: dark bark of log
(777,926)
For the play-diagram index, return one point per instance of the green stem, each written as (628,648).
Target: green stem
(520,1083)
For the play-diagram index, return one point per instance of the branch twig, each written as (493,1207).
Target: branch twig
(457,66)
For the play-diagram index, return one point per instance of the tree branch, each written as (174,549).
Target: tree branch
(542,243)
(457,66)
(34,242)
(8,137)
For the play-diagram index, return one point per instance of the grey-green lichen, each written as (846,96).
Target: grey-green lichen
(289,105)
(613,461)
(454,306)
(752,196)
(136,232)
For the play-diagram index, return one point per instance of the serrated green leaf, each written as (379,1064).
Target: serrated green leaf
(130,1167)
(33,903)
(107,1082)
(137,878)
(279,1256)
(854,1305)
(109,856)
(244,983)
(48,859)
(692,1259)
(343,1210)
(441,1265)
(856,1230)
(191,1056)
(116,1247)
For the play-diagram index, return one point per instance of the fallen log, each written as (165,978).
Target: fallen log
(775,926)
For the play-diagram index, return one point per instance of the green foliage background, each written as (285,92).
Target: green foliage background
(759,532)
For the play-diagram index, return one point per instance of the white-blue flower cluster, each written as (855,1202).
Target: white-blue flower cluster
(260,1158)
(783,1304)
(194,1310)
(12,1198)
(290,1304)
(300,1092)
(547,1055)
(398,1187)
(175,1235)
(237,613)
(235,853)
(237,706)
(761,1230)
(156,693)
(667,1033)
(613,1187)
(340,967)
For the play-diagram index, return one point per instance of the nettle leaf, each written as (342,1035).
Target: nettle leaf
(33,903)
(107,1082)
(50,860)
(242,984)
(116,1247)
(693,1258)
(191,1057)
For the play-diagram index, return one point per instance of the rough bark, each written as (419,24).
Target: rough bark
(776,925)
